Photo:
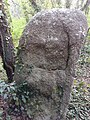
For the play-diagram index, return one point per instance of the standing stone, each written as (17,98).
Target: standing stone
(48,50)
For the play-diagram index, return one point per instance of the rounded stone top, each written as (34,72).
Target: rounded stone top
(48,36)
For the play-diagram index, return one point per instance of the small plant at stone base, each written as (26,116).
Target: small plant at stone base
(19,99)
(16,96)
(3,104)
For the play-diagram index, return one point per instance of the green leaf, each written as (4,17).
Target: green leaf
(23,99)
(1,112)
(5,96)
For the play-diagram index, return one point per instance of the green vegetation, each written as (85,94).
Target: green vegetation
(79,106)
(17,26)
(14,98)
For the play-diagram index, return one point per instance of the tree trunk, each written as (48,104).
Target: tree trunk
(6,44)
(35,6)
(68,3)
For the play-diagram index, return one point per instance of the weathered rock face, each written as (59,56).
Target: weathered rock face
(49,49)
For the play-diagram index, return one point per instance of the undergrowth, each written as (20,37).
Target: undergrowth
(79,106)
(17,97)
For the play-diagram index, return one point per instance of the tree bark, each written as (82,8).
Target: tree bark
(35,6)
(6,44)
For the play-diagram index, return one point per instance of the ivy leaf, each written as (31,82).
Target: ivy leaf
(1,14)
(23,99)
